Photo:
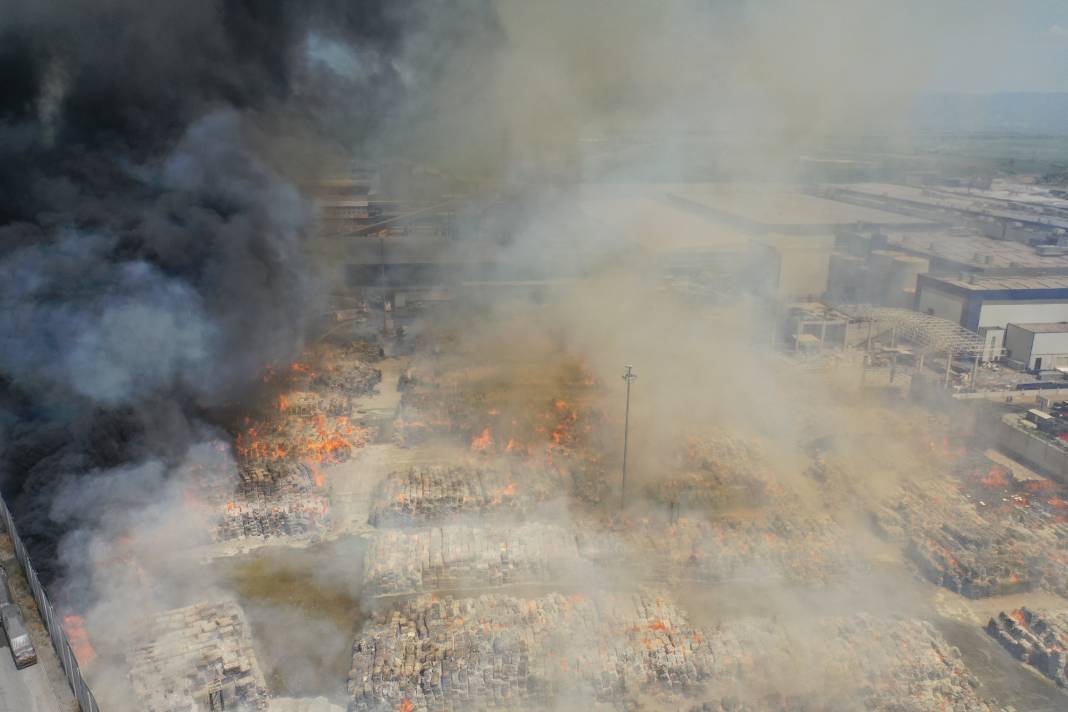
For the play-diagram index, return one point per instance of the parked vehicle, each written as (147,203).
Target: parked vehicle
(18,638)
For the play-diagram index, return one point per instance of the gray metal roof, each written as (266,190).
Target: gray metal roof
(1049,327)
(977,250)
(982,284)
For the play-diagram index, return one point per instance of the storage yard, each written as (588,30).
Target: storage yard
(496,570)
(507,356)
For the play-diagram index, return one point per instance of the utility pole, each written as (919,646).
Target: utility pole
(630,377)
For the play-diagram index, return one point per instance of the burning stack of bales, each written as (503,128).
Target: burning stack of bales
(987,533)
(278,499)
(423,495)
(717,470)
(313,418)
(954,547)
(499,652)
(199,657)
(1038,638)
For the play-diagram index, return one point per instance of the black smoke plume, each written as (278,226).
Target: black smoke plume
(152,245)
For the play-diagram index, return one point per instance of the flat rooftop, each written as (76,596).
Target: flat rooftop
(975,251)
(1052,327)
(991,284)
(782,209)
(974,203)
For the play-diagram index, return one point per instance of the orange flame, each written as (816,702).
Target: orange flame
(483,441)
(996,478)
(78,637)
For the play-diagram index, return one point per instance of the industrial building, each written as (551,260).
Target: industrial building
(1019,220)
(987,305)
(958,250)
(1037,347)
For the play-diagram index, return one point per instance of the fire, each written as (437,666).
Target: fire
(317,475)
(231,506)
(406,706)
(483,441)
(78,637)
(996,478)
(283,403)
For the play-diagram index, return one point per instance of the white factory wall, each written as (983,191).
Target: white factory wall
(1000,313)
(994,339)
(1051,348)
(1027,347)
(941,304)
(804,264)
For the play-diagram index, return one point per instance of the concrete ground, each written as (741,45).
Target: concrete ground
(42,687)
(26,690)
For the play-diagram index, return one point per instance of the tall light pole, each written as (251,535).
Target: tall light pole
(630,377)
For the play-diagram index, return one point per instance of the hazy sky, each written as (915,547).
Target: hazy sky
(990,46)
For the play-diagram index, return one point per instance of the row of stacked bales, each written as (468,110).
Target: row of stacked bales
(276,500)
(772,547)
(451,557)
(986,533)
(199,657)
(423,495)
(499,652)
(1037,638)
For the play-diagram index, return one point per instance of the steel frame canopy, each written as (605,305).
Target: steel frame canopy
(931,334)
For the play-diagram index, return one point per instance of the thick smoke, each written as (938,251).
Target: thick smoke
(152,238)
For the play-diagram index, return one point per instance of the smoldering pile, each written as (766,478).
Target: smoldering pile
(452,557)
(500,652)
(771,546)
(252,504)
(1038,638)
(985,534)
(954,547)
(495,420)
(426,495)
(342,368)
(276,500)
(197,657)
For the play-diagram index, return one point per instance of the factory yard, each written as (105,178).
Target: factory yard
(460,545)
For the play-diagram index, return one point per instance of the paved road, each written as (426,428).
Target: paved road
(25,690)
